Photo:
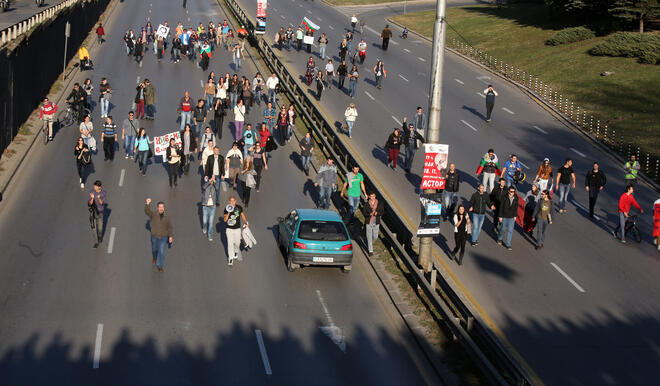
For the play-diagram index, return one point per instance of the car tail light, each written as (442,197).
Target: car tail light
(347,247)
(299,245)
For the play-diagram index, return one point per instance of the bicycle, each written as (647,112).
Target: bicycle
(68,116)
(630,228)
(44,128)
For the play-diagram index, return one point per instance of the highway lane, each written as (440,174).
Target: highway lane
(66,307)
(530,295)
(20,10)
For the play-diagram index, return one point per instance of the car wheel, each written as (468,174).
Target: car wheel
(290,266)
(347,268)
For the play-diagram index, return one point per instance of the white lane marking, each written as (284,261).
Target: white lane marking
(459,81)
(576,151)
(417,42)
(97,345)
(480,94)
(308,11)
(469,125)
(111,244)
(330,329)
(262,350)
(396,120)
(137,81)
(121,177)
(282,16)
(371,29)
(484,79)
(422,59)
(508,111)
(541,130)
(201,83)
(331,27)
(576,285)
(407,50)
(275,9)
(402,77)
(319,19)
(369,95)
(525,166)
(579,205)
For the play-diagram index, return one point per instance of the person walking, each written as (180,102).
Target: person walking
(248,180)
(271,84)
(239,119)
(142,147)
(354,21)
(351,115)
(100,33)
(109,138)
(306,150)
(149,98)
(511,169)
(237,56)
(490,94)
(326,180)
(419,121)
(105,95)
(543,216)
(129,130)
(362,50)
(86,127)
(631,168)
(270,117)
(343,50)
(354,185)
(544,175)
(450,194)
(342,71)
(299,38)
(219,111)
(83,159)
(531,199)
(329,73)
(393,146)
(507,212)
(362,22)
(386,34)
(209,201)
(410,141)
(292,122)
(88,88)
(47,115)
(565,175)
(372,211)
(320,85)
(250,137)
(323,43)
(258,86)
(594,182)
(497,196)
(173,155)
(185,109)
(232,217)
(626,201)
(379,73)
(352,81)
(479,203)
(139,101)
(96,204)
(189,148)
(209,93)
(162,232)
(283,123)
(199,116)
(461,231)
(214,169)
(234,164)
(260,161)
(489,165)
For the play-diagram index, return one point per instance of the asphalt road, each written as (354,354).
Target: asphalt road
(578,310)
(20,10)
(66,307)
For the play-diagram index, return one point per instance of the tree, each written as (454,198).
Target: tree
(636,10)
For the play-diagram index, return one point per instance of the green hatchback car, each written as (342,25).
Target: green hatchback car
(314,237)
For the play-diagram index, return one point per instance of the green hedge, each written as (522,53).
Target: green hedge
(570,35)
(646,47)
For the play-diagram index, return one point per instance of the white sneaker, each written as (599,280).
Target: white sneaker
(231,262)
(82,186)
(80,180)
(126,157)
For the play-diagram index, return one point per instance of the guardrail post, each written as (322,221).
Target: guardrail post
(598,129)
(657,169)
(571,110)
(470,323)
(613,140)
(591,124)
(434,278)
(648,160)
(421,273)
(577,115)
(637,153)
(605,137)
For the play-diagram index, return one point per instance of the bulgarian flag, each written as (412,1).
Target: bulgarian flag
(310,24)
(486,159)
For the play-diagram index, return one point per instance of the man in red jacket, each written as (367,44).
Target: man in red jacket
(625,202)
(47,114)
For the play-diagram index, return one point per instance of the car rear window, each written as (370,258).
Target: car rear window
(322,231)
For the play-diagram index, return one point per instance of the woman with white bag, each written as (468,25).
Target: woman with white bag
(248,180)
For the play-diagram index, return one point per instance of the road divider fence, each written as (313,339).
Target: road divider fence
(495,358)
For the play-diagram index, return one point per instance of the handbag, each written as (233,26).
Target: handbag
(250,182)
(92,143)
(150,153)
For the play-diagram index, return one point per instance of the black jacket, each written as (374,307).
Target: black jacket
(407,133)
(451,181)
(366,211)
(193,141)
(77,97)
(199,113)
(208,168)
(137,94)
(342,70)
(595,180)
(497,194)
(480,202)
(394,142)
(509,209)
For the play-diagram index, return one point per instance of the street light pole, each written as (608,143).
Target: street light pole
(435,104)
(67,33)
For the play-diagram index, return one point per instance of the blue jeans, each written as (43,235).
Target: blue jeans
(270,124)
(379,80)
(289,131)
(257,97)
(507,226)
(352,88)
(158,245)
(322,51)
(150,111)
(353,203)
(305,161)
(410,156)
(448,199)
(208,214)
(477,223)
(129,145)
(237,63)
(199,129)
(142,160)
(509,181)
(271,96)
(186,117)
(325,197)
(541,228)
(233,97)
(105,106)
(349,44)
(350,127)
(218,180)
(209,101)
(564,189)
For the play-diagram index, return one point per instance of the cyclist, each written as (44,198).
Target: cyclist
(625,202)
(78,98)
(47,114)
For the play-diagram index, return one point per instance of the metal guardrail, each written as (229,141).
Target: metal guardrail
(14,31)
(493,357)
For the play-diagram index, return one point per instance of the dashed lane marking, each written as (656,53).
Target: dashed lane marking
(371,29)
(576,151)
(369,95)
(396,120)
(565,275)
(121,177)
(480,94)
(407,50)
(111,244)
(402,77)
(525,166)
(459,81)
(469,125)
(319,19)
(508,111)
(262,350)
(97,345)
(331,27)
(422,59)
(541,130)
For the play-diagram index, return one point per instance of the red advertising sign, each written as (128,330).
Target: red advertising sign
(261,8)
(435,166)
(656,218)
